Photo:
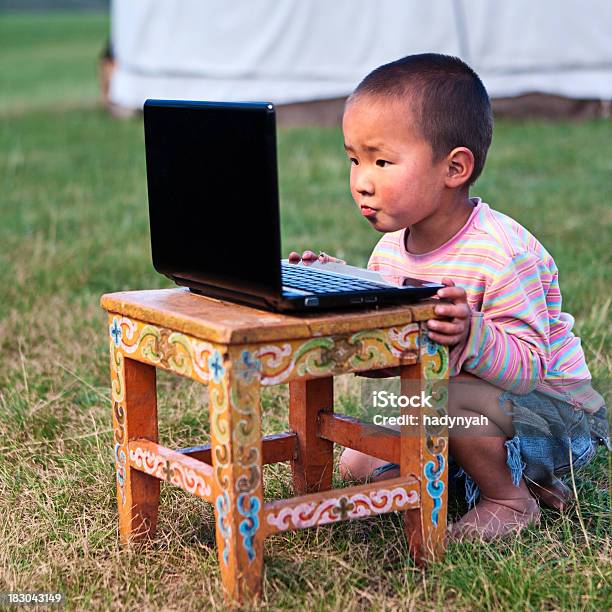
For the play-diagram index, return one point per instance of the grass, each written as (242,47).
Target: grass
(73,225)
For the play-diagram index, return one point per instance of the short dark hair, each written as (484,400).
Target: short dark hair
(449,103)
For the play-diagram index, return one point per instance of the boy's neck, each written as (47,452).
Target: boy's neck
(440,227)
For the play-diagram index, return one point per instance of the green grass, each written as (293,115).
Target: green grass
(73,225)
(49,59)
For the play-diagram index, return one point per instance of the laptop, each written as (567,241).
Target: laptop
(215,220)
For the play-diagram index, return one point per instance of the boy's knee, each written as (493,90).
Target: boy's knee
(468,392)
(461,393)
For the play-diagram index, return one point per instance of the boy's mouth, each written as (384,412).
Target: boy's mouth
(366,211)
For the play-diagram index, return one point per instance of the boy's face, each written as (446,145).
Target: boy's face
(394,179)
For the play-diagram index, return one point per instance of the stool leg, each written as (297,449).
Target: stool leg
(424,452)
(134,398)
(312,469)
(235,425)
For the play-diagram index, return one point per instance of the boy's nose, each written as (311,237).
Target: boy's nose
(364,186)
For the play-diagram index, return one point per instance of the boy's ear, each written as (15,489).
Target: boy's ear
(459,167)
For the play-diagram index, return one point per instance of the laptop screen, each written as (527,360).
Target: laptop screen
(213,193)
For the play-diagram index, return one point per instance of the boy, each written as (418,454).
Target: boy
(417,132)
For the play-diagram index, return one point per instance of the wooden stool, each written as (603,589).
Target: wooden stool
(234,350)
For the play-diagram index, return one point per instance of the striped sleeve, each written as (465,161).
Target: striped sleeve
(508,344)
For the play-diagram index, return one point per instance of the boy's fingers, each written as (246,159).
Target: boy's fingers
(307,257)
(325,258)
(311,257)
(453,311)
(449,282)
(448,328)
(451,291)
(456,294)
(444,339)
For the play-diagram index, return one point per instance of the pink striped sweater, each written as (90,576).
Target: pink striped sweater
(519,338)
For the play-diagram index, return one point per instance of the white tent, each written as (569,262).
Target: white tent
(302,50)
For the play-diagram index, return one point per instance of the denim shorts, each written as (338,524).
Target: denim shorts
(551,438)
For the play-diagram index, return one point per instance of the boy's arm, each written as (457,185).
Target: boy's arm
(508,344)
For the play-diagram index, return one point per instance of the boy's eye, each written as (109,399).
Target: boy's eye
(353,161)
(382,162)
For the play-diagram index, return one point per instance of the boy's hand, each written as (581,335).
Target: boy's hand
(455,327)
(308,257)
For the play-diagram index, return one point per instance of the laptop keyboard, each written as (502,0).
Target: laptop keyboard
(307,279)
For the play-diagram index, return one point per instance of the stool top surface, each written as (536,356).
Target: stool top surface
(228,323)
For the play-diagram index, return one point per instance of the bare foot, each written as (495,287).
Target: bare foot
(556,495)
(491,519)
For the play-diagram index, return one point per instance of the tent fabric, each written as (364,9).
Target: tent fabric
(300,50)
